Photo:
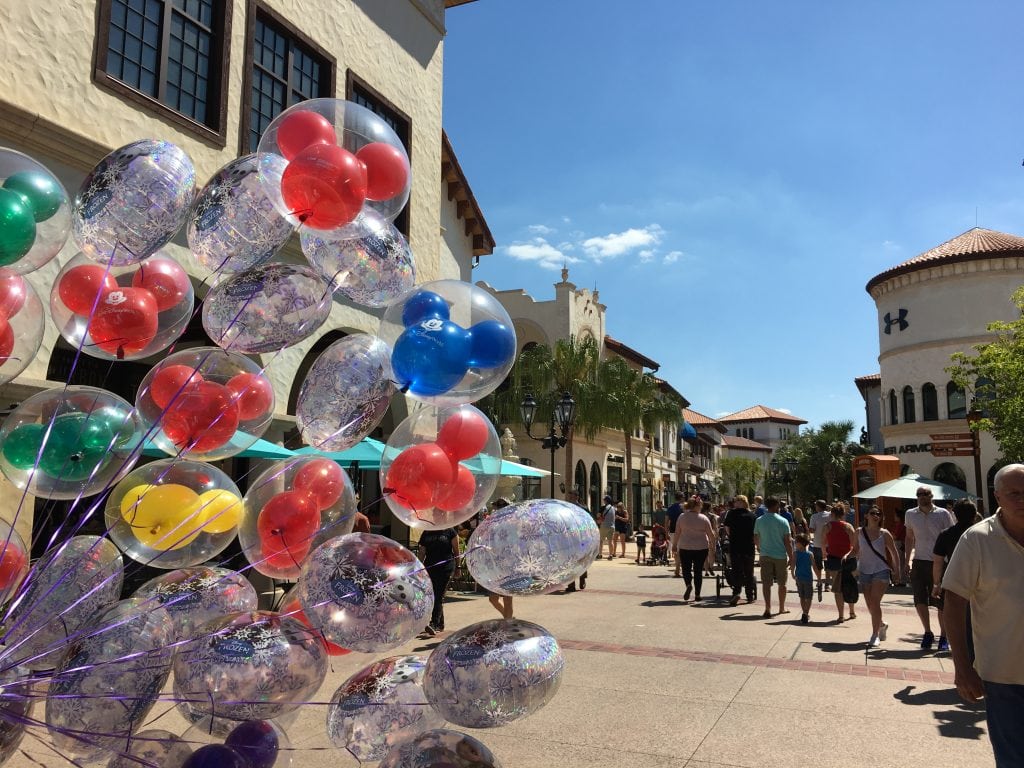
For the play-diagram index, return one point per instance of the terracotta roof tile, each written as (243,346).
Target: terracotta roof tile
(762,413)
(700,420)
(741,442)
(977,243)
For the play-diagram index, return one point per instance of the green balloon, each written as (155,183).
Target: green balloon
(42,192)
(17,227)
(75,447)
(22,446)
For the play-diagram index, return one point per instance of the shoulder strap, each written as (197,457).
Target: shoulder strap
(872,546)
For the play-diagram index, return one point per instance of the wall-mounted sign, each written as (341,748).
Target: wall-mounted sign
(900,321)
(612,459)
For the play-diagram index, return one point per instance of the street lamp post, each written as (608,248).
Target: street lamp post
(784,473)
(973,417)
(563,415)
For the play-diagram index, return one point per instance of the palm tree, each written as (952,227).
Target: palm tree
(824,456)
(631,400)
(571,366)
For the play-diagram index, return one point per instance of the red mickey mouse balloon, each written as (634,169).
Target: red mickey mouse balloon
(125,322)
(387,170)
(202,418)
(79,287)
(169,380)
(419,474)
(301,129)
(324,186)
(323,479)
(459,493)
(255,395)
(165,279)
(286,526)
(463,435)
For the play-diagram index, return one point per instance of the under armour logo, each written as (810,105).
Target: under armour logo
(901,321)
(115,297)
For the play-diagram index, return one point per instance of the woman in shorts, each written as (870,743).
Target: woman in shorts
(877,560)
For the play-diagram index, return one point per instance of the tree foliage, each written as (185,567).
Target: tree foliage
(740,475)
(824,456)
(998,367)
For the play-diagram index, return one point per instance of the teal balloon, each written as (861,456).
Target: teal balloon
(42,192)
(76,447)
(22,446)
(17,227)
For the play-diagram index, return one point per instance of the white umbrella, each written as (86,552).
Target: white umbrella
(906,488)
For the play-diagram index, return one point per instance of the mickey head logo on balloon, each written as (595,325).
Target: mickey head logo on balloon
(438,483)
(452,342)
(342,159)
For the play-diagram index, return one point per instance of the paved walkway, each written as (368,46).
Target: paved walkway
(652,682)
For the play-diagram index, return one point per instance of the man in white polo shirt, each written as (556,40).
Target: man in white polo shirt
(924,524)
(987,572)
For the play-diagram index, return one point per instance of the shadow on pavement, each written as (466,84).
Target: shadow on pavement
(660,603)
(655,576)
(961,722)
(908,653)
(839,647)
(740,617)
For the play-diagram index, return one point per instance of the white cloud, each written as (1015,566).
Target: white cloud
(645,256)
(540,252)
(672,257)
(784,410)
(566,220)
(621,243)
(541,229)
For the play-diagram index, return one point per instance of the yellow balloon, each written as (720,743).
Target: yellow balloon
(165,517)
(221,511)
(130,502)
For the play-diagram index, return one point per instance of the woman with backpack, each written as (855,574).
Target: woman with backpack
(878,566)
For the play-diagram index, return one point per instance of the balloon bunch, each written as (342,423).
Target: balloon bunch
(429,486)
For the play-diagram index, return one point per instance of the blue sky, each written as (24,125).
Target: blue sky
(731,174)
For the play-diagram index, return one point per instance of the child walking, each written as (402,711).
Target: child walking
(804,571)
(640,537)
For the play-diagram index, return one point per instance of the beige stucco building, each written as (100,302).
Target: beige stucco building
(929,307)
(83,78)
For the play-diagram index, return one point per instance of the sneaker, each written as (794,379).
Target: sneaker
(882,630)
(804,619)
(734,600)
(926,641)
(873,642)
(696,598)
(943,644)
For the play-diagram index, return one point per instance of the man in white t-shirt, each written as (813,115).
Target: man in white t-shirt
(986,571)
(818,521)
(924,524)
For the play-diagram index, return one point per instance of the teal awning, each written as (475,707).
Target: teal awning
(366,453)
(261,449)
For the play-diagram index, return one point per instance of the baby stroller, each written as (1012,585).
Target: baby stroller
(659,546)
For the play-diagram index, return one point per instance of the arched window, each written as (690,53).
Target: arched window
(894,414)
(580,480)
(956,401)
(909,416)
(950,474)
(984,393)
(929,403)
(595,487)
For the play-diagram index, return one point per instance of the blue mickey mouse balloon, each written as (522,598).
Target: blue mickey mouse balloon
(451,342)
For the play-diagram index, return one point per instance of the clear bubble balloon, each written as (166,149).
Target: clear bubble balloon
(342,159)
(153,747)
(208,403)
(195,596)
(260,743)
(249,666)
(346,393)
(440,466)
(15,706)
(122,313)
(14,557)
(532,547)
(365,592)
(22,320)
(291,606)
(266,309)
(491,673)
(67,588)
(379,706)
(133,202)
(233,225)
(69,441)
(369,262)
(108,679)
(173,513)
(451,342)
(290,509)
(440,748)
(35,214)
